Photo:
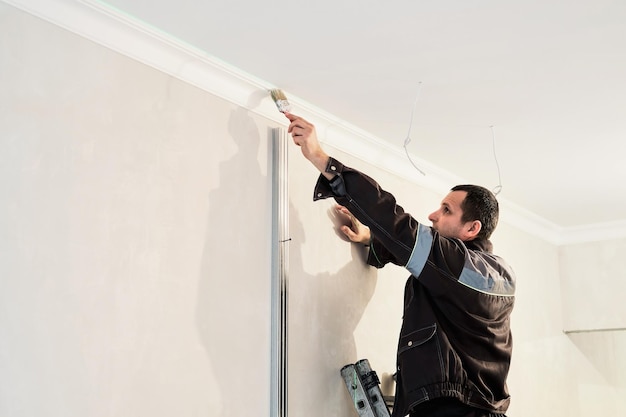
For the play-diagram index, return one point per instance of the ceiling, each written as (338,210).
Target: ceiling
(543,81)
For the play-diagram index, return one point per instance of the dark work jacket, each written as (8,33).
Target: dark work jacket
(455,340)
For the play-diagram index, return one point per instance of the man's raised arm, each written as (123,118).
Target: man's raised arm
(305,136)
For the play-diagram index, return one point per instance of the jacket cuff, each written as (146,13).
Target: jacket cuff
(333,188)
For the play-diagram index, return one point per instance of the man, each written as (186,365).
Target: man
(455,342)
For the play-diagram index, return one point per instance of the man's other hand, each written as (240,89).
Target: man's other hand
(356,231)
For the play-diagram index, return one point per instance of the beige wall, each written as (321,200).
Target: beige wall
(593,284)
(135,245)
(135,257)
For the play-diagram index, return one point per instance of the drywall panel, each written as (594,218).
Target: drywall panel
(134,237)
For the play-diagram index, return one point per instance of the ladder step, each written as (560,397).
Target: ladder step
(364,388)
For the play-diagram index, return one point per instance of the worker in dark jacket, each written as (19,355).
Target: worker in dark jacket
(455,343)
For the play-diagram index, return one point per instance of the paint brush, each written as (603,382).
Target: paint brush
(281,100)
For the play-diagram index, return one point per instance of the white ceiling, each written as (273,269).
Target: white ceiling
(548,75)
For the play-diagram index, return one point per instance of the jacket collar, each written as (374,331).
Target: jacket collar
(484,245)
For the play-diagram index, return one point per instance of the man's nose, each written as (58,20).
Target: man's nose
(432,216)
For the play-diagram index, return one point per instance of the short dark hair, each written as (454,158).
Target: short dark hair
(479,204)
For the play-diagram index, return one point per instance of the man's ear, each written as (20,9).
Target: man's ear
(472,229)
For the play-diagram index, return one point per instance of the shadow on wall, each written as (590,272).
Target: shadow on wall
(324,311)
(233,309)
(233,313)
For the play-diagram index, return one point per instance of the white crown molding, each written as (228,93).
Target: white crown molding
(593,232)
(111,28)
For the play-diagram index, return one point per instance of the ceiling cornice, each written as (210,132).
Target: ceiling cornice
(115,30)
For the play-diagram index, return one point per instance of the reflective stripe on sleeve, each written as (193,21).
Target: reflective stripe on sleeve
(421,250)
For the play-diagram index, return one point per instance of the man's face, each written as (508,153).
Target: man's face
(447,219)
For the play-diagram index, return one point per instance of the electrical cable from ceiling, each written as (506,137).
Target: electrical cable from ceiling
(408,135)
(498,188)
(495,191)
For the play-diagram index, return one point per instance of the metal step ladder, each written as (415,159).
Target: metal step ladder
(364,388)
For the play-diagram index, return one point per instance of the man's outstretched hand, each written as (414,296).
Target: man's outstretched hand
(356,231)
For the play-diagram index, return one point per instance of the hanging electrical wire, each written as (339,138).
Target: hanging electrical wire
(408,135)
(498,188)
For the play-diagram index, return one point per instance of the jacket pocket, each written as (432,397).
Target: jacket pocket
(420,360)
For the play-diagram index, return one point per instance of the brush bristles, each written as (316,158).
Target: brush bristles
(277,94)
(281,100)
